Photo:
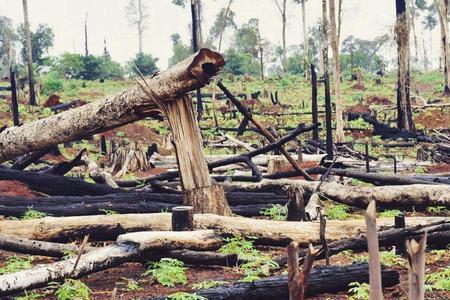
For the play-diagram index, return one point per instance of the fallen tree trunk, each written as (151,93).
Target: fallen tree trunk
(326,279)
(128,248)
(57,185)
(34,247)
(113,111)
(419,195)
(108,227)
(438,236)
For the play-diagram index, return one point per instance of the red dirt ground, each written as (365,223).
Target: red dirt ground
(433,118)
(376,100)
(438,168)
(14,188)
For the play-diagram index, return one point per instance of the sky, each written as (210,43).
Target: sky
(107,21)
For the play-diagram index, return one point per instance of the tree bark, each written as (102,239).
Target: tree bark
(267,232)
(336,74)
(198,189)
(442,9)
(86,49)
(29,53)
(325,279)
(305,42)
(404,113)
(113,111)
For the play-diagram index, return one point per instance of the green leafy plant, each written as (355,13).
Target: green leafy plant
(390,259)
(30,213)
(390,213)
(69,254)
(337,212)
(29,296)
(16,263)
(358,291)
(436,209)
(73,289)
(276,212)
(257,264)
(438,280)
(109,212)
(207,284)
(185,296)
(168,272)
(133,285)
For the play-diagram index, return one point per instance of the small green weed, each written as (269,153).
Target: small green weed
(208,284)
(30,213)
(438,280)
(185,296)
(168,272)
(16,263)
(108,212)
(29,296)
(358,291)
(337,212)
(276,212)
(390,213)
(73,289)
(390,259)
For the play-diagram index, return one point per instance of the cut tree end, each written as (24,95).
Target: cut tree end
(206,64)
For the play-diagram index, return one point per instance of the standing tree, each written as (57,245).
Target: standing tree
(7,39)
(41,42)
(137,15)
(29,53)
(306,60)
(224,20)
(336,74)
(429,23)
(86,49)
(196,13)
(404,113)
(442,9)
(282,9)
(324,38)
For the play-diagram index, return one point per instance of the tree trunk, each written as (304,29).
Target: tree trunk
(337,75)
(442,9)
(86,49)
(283,17)
(404,114)
(305,43)
(198,189)
(324,38)
(324,279)
(412,13)
(267,232)
(113,111)
(140,25)
(29,53)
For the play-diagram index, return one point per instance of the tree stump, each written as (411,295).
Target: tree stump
(198,188)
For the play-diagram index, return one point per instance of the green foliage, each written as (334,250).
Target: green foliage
(168,272)
(436,209)
(108,212)
(69,254)
(337,212)
(439,280)
(295,63)
(208,284)
(41,42)
(359,291)
(180,50)
(185,296)
(89,67)
(29,296)
(276,212)
(73,289)
(30,213)
(240,63)
(390,213)
(146,64)
(52,83)
(133,285)
(16,263)
(256,265)
(390,259)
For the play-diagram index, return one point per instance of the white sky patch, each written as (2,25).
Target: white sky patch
(107,20)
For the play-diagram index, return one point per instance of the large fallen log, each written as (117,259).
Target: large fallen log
(108,227)
(128,248)
(56,185)
(34,247)
(438,235)
(326,279)
(419,195)
(113,111)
